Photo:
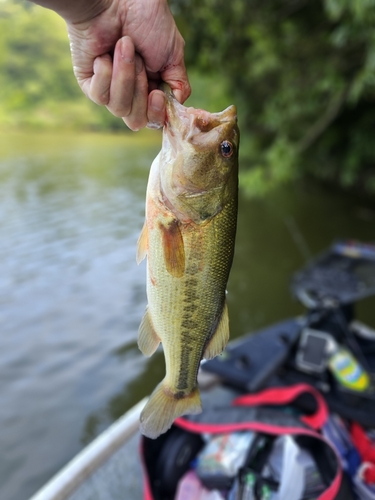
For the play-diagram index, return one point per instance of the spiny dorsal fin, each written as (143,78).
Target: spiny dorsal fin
(220,337)
(142,244)
(173,246)
(148,341)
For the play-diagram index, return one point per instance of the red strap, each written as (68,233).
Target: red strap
(283,395)
(331,492)
(366,449)
(368,473)
(224,428)
(147,492)
(363,443)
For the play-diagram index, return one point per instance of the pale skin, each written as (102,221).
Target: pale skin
(121,50)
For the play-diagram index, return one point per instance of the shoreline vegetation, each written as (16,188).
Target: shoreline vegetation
(38,90)
(301,73)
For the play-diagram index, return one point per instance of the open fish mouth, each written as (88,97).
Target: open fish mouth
(186,123)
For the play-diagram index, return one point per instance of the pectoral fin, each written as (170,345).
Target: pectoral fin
(142,244)
(173,246)
(148,341)
(220,337)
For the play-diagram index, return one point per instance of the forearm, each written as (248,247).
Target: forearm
(75,11)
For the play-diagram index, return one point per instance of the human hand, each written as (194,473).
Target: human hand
(121,49)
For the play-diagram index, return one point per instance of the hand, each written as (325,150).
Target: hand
(120,55)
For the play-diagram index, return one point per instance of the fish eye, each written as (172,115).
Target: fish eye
(226,149)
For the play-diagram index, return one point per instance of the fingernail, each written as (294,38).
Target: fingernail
(157,101)
(127,50)
(138,64)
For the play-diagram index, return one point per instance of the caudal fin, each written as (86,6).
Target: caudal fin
(162,409)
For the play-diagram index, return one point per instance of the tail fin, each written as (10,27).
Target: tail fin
(162,409)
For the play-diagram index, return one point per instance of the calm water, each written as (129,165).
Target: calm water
(72,296)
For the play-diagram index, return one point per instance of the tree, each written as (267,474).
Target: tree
(37,85)
(302,73)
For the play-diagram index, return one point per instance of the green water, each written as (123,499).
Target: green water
(72,296)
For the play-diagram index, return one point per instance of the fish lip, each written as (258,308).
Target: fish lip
(198,118)
(178,118)
(186,122)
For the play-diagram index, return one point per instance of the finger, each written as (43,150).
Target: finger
(137,118)
(175,74)
(156,109)
(177,79)
(98,86)
(123,78)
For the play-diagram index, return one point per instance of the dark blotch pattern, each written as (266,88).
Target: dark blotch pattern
(204,291)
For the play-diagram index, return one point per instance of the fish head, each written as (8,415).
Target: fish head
(199,169)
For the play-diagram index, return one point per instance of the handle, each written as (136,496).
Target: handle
(283,395)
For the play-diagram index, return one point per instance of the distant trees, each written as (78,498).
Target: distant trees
(37,85)
(302,73)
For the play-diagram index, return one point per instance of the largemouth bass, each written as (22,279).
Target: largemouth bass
(188,237)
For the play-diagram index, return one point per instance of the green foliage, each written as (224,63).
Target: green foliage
(302,73)
(37,85)
(208,92)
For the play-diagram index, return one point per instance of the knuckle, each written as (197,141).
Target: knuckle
(119,110)
(135,123)
(100,99)
(103,99)
(187,91)
(181,41)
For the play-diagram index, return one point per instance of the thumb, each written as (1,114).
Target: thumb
(178,80)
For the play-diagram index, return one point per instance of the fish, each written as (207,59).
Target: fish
(188,238)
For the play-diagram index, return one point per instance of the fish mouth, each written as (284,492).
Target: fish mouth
(194,171)
(185,123)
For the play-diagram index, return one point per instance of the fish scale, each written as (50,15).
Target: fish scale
(188,237)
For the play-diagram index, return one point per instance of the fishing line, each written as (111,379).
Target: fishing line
(298,237)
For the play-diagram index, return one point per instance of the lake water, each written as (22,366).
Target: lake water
(72,296)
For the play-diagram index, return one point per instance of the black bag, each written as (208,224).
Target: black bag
(169,457)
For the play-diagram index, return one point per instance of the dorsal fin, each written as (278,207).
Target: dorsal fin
(220,338)
(148,340)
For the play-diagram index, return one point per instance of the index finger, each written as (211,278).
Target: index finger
(177,79)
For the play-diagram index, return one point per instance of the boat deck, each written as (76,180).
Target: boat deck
(118,478)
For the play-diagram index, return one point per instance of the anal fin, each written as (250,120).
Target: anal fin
(220,338)
(148,340)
